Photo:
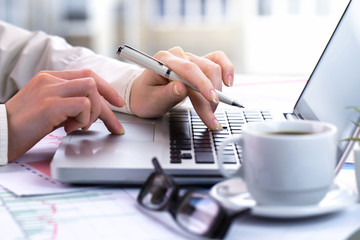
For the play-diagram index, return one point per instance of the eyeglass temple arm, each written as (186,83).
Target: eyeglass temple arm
(157,166)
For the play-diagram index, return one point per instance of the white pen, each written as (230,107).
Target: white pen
(160,68)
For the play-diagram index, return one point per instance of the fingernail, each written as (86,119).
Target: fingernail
(217,125)
(121,130)
(121,101)
(214,96)
(230,80)
(175,90)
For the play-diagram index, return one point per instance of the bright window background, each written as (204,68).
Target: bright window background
(273,37)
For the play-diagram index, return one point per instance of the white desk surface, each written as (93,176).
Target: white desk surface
(112,213)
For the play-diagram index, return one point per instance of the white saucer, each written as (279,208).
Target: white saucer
(232,193)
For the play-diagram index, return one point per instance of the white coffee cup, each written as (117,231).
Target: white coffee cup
(287,162)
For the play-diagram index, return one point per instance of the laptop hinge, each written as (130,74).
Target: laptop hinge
(291,116)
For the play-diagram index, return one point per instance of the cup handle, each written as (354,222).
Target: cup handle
(225,172)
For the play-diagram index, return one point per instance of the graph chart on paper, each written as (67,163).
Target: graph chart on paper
(32,170)
(93,214)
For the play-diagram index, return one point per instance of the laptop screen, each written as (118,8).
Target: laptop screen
(334,85)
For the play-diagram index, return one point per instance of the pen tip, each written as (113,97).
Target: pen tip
(234,103)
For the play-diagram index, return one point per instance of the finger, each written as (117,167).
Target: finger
(191,72)
(179,52)
(74,150)
(173,92)
(205,111)
(110,120)
(227,67)
(211,69)
(104,88)
(74,112)
(82,87)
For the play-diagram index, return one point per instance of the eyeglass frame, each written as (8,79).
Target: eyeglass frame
(222,221)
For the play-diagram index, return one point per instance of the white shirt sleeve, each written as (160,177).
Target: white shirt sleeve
(3,136)
(23,54)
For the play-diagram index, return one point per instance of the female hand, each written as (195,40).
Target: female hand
(73,99)
(153,95)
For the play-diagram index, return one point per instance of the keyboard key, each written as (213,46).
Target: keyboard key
(175,160)
(179,119)
(221,136)
(186,156)
(180,142)
(239,125)
(229,159)
(202,145)
(204,157)
(180,130)
(201,141)
(204,149)
(175,151)
(254,120)
(200,130)
(224,131)
(182,147)
(201,135)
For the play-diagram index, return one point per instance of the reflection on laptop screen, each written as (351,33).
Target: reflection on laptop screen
(337,77)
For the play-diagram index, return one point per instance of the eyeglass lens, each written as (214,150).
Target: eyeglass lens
(158,193)
(197,213)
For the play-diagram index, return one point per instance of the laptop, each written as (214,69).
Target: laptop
(187,149)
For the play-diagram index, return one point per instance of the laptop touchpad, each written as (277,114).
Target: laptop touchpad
(134,132)
(138,132)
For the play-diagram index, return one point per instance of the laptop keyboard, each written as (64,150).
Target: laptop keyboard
(191,140)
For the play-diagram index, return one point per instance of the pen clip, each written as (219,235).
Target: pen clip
(144,54)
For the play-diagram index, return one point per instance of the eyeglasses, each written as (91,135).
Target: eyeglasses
(196,211)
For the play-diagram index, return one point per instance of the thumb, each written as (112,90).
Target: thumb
(174,92)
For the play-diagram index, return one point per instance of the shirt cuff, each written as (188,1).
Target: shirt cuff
(3,136)
(119,74)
